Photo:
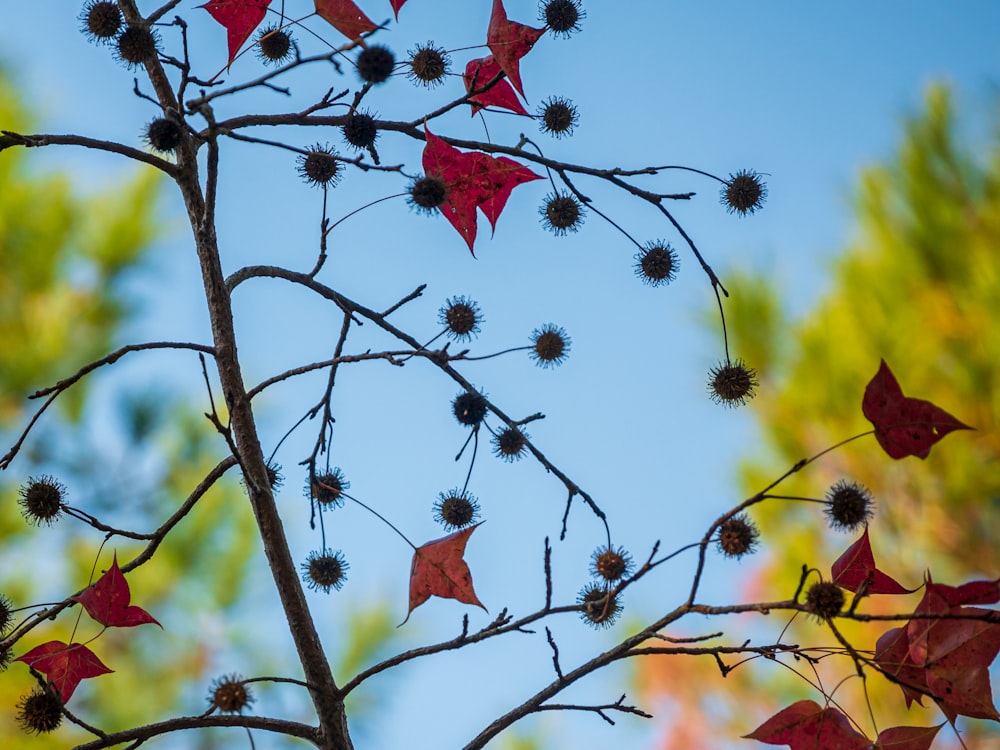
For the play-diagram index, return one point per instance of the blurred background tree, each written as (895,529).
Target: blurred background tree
(66,259)
(919,287)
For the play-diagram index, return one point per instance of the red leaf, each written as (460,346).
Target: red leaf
(345,17)
(65,665)
(948,660)
(240,17)
(857,566)
(906,738)
(956,654)
(806,726)
(480,72)
(396,5)
(904,426)
(472,179)
(107,601)
(509,41)
(439,569)
(892,654)
(495,178)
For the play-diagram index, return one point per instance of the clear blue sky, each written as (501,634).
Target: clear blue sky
(805,92)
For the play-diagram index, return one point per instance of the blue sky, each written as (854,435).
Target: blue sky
(804,92)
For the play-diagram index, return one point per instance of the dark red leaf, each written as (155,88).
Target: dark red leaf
(65,665)
(806,726)
(892,654)
(396,5)
(956,654)
(509,41)
(857,566)
(947,659)
(240,17)
(345,17)
(904,426)
(107,601)
(439,569)
(480,72)
(472,179)
(907,738)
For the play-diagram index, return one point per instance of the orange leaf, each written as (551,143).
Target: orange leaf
(439,569)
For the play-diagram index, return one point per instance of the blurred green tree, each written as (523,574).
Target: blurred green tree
(63,302)
(919,287)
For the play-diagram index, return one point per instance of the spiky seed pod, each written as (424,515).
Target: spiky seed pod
(100,20)
(428,65)
(510,444)
(657,263)
(461,317)
(611,564)
(561,16)
(39,712)
(324,570)
(550,345)
(320,166)
(136,45)
(599,606)
(273,45)
(230,694)
(744,192)
(848,505)
(375,64)
(41,500)
(360,131)
(558,117)
(469,408)
(328,489)
(732,383)
(561,213)
(6,614)
(456,509)
(825,599)
(6,655)
(427,193)
(274,476)
(164,134)
(738,536)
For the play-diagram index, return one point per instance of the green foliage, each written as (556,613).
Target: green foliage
(919,287)
(63,257)
(62,304)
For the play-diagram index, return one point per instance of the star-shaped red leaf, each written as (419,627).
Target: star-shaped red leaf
(480,72)
(857,566)
(509,41)
(904,426)
(495,178)
(107,601)
(806,726)
(345,17)
(948,659)
(439,569)
(906,738)
(64,665)
(240,17)
(472,179)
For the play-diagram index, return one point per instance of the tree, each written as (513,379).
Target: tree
(199,120)
(899,291)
